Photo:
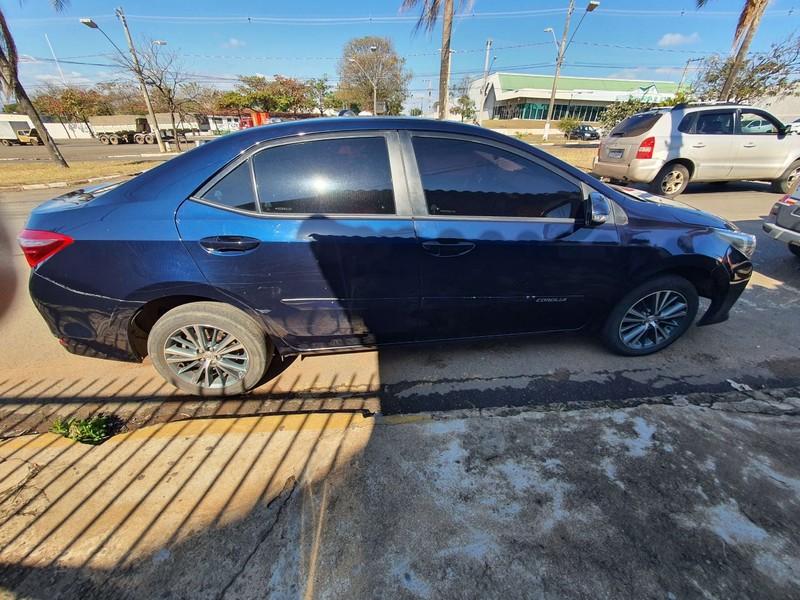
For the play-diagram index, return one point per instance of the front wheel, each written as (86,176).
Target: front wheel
(209,349)
(788,180)
(651,317)
(671,180)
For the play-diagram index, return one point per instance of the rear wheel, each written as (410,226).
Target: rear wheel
(5,142)
(113,139)
(788,180)
(651,317)
(149,139)
(103,139)
(138,138)
(671,180)
(209,349)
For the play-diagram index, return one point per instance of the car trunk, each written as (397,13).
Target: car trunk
(623,142)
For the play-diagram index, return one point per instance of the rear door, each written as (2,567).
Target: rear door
(504,249)
(315,233)
(760,147)
(707,140)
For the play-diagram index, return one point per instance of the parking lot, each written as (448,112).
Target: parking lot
(541,467)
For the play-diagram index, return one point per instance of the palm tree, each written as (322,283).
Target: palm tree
(746,28)
(428,18)
(9,78)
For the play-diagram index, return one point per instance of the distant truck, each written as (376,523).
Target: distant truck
(13,133)
(127,129)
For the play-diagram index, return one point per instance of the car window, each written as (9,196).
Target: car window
(636,125)
(235,190)
(755,124)
(350,175)
(463,178)
(687,123)
(714,123)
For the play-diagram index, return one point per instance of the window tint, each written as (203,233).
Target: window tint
(714,123)
(234,190)
(464,178)
(756,124)
(344,176)
(636,124)
(687,123)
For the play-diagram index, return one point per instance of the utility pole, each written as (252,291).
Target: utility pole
(55,59)
(137,67)
(485,77)
(559,60)
(685,69)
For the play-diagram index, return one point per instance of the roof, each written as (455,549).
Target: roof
(516,81)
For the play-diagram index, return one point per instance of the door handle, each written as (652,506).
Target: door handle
(699,145)
(229,244)
(447,248)
(750,145)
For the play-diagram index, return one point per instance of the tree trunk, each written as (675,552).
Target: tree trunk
(44,135)
(741,56)
(89,128)
(444,67)
(175,130)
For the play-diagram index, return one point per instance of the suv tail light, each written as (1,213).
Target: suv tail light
(646,148)
(787,200)
(38,246)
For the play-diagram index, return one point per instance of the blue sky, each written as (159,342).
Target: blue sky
(305,38)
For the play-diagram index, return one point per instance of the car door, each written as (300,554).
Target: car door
(504,249)
(761,147)
(707,140)
(315,233)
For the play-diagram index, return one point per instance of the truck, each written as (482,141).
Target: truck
(129,129)
(18,132)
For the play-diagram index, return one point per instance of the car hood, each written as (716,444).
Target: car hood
(678,210)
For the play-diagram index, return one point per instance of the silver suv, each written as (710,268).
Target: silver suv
(668,147)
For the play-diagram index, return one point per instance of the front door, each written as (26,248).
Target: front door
(314,236)
(761,148)
(707,140)
(504,248)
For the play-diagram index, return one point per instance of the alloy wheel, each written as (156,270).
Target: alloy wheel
(206,356)
(672,183)
(653,319)
(792,178)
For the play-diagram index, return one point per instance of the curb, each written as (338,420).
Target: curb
(57,184)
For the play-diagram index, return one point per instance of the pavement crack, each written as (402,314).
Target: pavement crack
(281,500)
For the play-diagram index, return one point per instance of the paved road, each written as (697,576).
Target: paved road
(75,150)
(757,346)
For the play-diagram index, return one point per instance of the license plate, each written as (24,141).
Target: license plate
(615,153)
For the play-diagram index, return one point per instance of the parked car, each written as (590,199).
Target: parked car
(783,222)
(583,132)
(332,235)
(668,147)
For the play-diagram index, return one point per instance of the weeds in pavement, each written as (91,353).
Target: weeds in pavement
(94,430)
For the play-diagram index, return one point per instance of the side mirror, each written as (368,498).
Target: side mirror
(598,209)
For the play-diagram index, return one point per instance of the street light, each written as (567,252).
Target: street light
(159,43)
(373,81)
(137,69)
(555,41)
(562,49)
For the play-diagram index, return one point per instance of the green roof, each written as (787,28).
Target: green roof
(511,81)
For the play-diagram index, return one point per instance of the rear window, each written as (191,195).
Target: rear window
(636,125)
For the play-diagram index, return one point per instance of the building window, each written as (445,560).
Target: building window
(538,111)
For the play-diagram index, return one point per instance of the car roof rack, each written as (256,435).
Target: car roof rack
(710,103)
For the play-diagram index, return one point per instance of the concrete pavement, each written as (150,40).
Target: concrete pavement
(682,497)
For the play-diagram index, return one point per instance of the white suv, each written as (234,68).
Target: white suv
(668,147)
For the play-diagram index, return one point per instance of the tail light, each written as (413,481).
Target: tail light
(38,246)
(646,148)
(787,200)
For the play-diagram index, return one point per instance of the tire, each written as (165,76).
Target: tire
(795,249)
(671,180)
(5,142)
(788,180)
(114,140)
(138,138)
(103,139)
(149,139)
(176,333)
(621,323)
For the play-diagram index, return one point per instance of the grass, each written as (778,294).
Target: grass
(578,157)
(25,173)
(94,430)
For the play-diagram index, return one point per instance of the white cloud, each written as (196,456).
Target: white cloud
(678,39)
(234,43)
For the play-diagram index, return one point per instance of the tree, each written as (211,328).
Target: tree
(319,91)
(464,105)
(370,70)
(9,80)
(619,111)
(746,28)
(568,124)
(415,112)
(427,19)
(122,97)
(771,73)
(281,94)
(232,101)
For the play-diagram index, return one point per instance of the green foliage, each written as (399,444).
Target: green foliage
(415,112)
(772,73)
(93,430)
(568,124)
(619,111)
(463,105)
(371,59)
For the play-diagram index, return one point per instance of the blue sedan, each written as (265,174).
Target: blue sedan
(334,235)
